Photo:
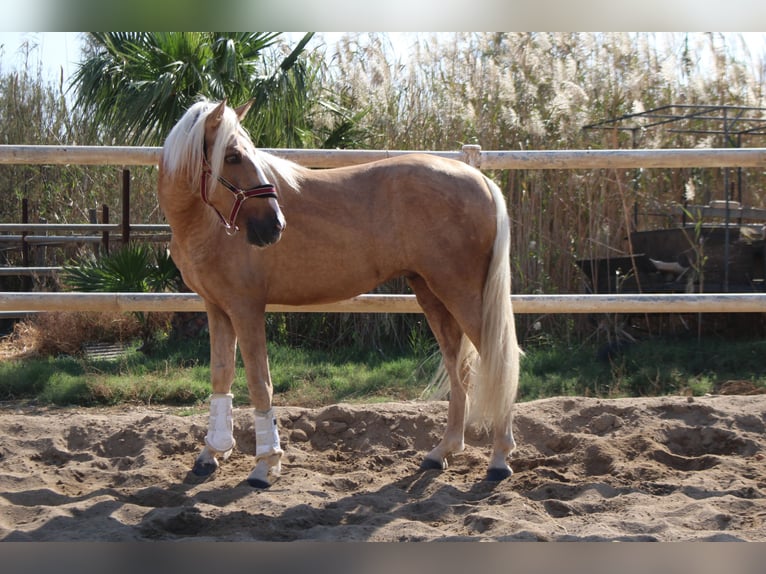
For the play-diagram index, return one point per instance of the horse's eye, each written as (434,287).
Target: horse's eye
(234,157)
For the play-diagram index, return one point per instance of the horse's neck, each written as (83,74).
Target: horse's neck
(188,217)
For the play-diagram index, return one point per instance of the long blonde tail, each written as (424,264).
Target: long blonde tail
(496,372)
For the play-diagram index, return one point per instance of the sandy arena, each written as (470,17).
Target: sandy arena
(656,469)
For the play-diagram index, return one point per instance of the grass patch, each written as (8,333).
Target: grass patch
(648,368)
(178,373)
(312,378)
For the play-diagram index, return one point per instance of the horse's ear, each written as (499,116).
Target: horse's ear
(215,117)
(242,110)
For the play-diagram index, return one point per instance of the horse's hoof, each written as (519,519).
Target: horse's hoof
(258,483)
(431,464)
(204,468)
(498,474)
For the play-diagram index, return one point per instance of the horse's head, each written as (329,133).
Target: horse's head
(234,182)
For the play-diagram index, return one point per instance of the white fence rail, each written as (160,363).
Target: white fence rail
(534,304)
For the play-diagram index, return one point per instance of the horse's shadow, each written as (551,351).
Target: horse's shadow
(174,512)
(420,496)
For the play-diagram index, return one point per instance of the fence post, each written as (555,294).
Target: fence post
(41,251)
(26,281)
(472,155)
(93,219)
(24,244)
(125,206)
(105,233)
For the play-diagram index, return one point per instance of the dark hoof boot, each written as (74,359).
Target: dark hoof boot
(204,468)
(258,483)
(431,464)
(498,474)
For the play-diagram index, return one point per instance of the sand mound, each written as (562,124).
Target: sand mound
(664,469)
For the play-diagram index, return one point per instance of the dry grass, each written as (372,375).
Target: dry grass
(66,333)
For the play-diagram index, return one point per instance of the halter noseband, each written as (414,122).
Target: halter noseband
(240,195)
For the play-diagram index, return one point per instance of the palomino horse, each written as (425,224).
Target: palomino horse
(250,229)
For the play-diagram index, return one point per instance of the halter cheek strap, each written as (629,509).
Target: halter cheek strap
(240,195)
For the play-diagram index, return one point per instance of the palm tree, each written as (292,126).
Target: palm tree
(136,85)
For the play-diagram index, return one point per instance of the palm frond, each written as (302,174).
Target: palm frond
(137,268)
(136,85)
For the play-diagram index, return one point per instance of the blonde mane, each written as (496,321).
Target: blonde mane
(184,148)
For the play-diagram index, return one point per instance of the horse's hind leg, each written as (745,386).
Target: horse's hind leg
(503,444)
(449,335)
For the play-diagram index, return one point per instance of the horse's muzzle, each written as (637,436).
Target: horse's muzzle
(264,232)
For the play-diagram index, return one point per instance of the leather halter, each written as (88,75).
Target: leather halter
(240,195)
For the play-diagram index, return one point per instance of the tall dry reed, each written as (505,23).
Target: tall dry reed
(534,91)
(503,91)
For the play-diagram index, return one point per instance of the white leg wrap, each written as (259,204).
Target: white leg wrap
(266,434)
(220,432)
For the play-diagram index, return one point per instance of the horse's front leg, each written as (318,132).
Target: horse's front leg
(252,346)
(220,435)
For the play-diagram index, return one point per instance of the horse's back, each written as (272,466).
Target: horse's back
(419,169)
(409,189)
